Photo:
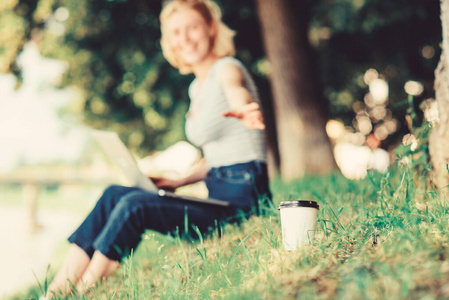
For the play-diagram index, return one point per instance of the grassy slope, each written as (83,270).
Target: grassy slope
(383,237)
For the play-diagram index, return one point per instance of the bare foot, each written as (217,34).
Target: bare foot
(84,287)
(59,289)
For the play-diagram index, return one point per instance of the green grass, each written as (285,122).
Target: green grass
(383,237)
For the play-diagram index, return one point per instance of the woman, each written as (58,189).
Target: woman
(223,120)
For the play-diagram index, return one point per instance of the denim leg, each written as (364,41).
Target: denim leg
(88,231)
(137,211)
(122,214)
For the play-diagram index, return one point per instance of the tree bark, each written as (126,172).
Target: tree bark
(439,137)
(300,109)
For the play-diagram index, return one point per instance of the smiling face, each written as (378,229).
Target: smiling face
(190,37)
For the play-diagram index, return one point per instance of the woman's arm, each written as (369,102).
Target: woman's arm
(198,173)
(240,100)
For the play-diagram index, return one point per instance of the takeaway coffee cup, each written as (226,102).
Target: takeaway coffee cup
(298,221)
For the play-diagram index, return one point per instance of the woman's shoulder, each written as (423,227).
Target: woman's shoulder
(229,67)
(229,60)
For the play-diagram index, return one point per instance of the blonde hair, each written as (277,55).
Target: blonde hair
(222,42)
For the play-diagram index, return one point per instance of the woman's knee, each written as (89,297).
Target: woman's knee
(137,206)
(113,193)
(126,203)
(115,190)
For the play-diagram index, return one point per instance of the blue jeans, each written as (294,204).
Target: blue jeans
(122,214)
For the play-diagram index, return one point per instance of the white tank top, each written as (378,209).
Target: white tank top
(224,141)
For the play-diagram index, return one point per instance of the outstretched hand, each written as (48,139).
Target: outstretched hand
(249,115)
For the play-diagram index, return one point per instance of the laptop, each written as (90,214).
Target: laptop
(115,149)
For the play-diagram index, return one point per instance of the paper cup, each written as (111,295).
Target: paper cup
(298,220)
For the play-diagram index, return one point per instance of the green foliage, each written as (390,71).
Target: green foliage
(115,60)
(352,36)
(15,30)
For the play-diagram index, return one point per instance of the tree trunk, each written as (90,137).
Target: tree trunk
(439,137)
(273,158)
(300,109)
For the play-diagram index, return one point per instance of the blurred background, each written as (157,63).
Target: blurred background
(364,80)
